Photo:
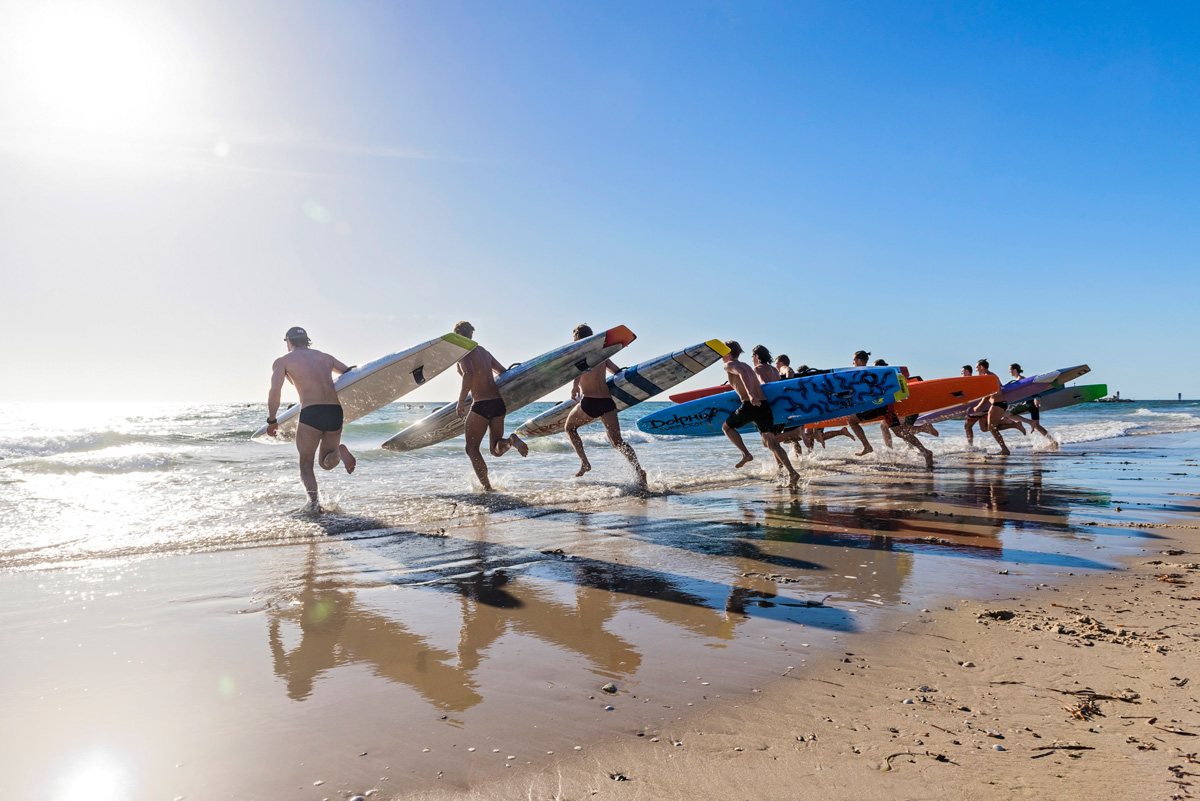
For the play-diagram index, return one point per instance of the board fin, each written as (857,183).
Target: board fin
(419,374)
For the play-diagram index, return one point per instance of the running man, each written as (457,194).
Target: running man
(784,365)
(754,409)
(484,412)
(977,414)
(595,401)
(1035,407)
(991,412)
(763,368)
(311,373)
(855,420)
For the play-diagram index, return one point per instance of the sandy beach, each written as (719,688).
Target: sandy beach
(996,628)
(1072,688)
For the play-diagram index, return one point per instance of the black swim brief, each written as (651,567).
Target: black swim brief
(1035,411)
(489,409)
(873,414)
(322,416)
(1000,404)
(761,416)
(594,407)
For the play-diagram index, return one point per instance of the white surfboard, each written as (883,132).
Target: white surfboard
(635,384)
(519,386)
(374,385)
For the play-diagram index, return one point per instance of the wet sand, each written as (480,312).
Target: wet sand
(774,635)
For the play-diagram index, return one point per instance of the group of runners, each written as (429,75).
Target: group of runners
(480,406)
(990,413)
(319,433)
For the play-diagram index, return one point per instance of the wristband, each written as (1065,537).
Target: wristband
(272,421)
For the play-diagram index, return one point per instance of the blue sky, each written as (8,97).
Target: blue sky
(934,184)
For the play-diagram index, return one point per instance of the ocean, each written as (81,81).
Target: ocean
(81,482)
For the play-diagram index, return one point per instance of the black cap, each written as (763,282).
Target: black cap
(296,332)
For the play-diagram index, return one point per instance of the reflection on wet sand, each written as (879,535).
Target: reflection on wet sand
(503,590)
(335,630)
(704,565)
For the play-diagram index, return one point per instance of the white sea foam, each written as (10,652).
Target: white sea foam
(188,477)
(121,459)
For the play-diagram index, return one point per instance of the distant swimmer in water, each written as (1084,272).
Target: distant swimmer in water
(486,410)
(595,401)
(311,372)
(754,409)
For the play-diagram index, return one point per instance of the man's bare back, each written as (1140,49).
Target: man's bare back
(319,432)
(594,383)
(766,373)
(744,381)
(480,367)
(311,372)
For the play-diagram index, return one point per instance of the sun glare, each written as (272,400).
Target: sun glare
(93,67)
(95,777)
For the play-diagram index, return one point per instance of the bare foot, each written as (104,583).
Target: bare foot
(865,451)
(583,468)
(1004,451)
(929,461)
(746,458)
(641,479)
(516,442)
(347,459)
(313,508)
(793,480)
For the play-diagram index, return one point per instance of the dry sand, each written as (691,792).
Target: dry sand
(1084,687)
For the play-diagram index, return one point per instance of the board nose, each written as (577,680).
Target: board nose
(618,336)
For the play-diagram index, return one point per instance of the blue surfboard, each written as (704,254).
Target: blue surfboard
(793,402)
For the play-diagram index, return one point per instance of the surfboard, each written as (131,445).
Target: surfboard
(520,386)
(635,384)
(928,396)
(374,385)
(794,402)
(696,394)
(1014,391)
(1062,398)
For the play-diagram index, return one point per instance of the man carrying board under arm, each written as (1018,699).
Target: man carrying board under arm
(754,409)
(595,401)
(487,407)
(311,372)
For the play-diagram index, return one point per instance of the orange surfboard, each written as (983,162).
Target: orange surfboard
(929,396)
